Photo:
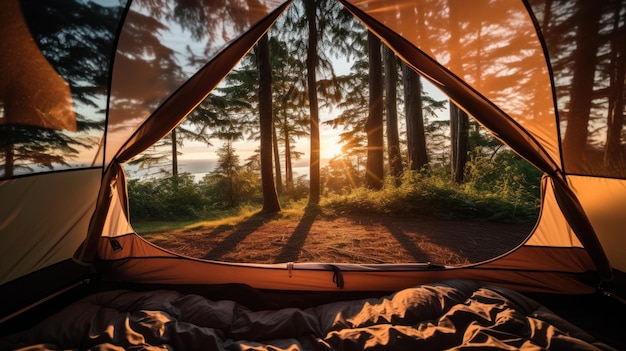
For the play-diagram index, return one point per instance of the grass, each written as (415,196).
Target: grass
(147,227)
(432,197)
(152,230)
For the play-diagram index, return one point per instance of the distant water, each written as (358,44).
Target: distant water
(297,172)
(198,168)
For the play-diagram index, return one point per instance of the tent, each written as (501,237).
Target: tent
(83,90)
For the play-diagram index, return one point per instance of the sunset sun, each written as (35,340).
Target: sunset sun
(331,148)
(330,145)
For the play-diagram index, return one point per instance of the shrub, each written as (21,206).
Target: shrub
(425,194)
(220,191)
(172,198)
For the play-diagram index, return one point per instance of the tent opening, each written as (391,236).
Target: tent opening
(405,176)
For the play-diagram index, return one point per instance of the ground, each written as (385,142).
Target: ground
(345,239)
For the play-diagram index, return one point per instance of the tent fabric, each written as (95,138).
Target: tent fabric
(546,77)
(451,315)
(492,105)
(52,234)
(33,92)
(177,93)
(436,37)
(603,201)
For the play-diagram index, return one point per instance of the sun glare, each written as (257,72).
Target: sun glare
(330,148)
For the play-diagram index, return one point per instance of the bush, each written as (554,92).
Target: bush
(220,191)
(427,194)
(508,177)
(173,198)
(505,189)
(181,198)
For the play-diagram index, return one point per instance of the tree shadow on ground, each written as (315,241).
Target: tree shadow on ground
(477,241)
(407,243)
(243,230)
(293,246)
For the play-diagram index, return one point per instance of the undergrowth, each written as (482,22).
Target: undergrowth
(507,193)
(421,195)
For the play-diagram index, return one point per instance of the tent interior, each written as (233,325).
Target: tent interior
(87,85)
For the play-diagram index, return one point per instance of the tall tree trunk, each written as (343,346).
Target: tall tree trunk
(270,197)
(230,174)
(459,135)
(374,125)
(277,171)
(415,135)
(459,121)
(393,140)
(613,153)
(584,62)
(288,165)
(311,65)
(174,153)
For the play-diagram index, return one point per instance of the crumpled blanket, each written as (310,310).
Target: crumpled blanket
(450,315)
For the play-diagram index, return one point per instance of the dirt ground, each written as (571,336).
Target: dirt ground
(347,239)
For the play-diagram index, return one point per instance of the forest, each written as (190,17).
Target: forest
(402,151)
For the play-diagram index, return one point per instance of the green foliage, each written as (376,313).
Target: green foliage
(299,191)
(172,198)
(221,192)
(229,184)
(340,175)
(181,198)
(506,176)
(503,188)
(428,194)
